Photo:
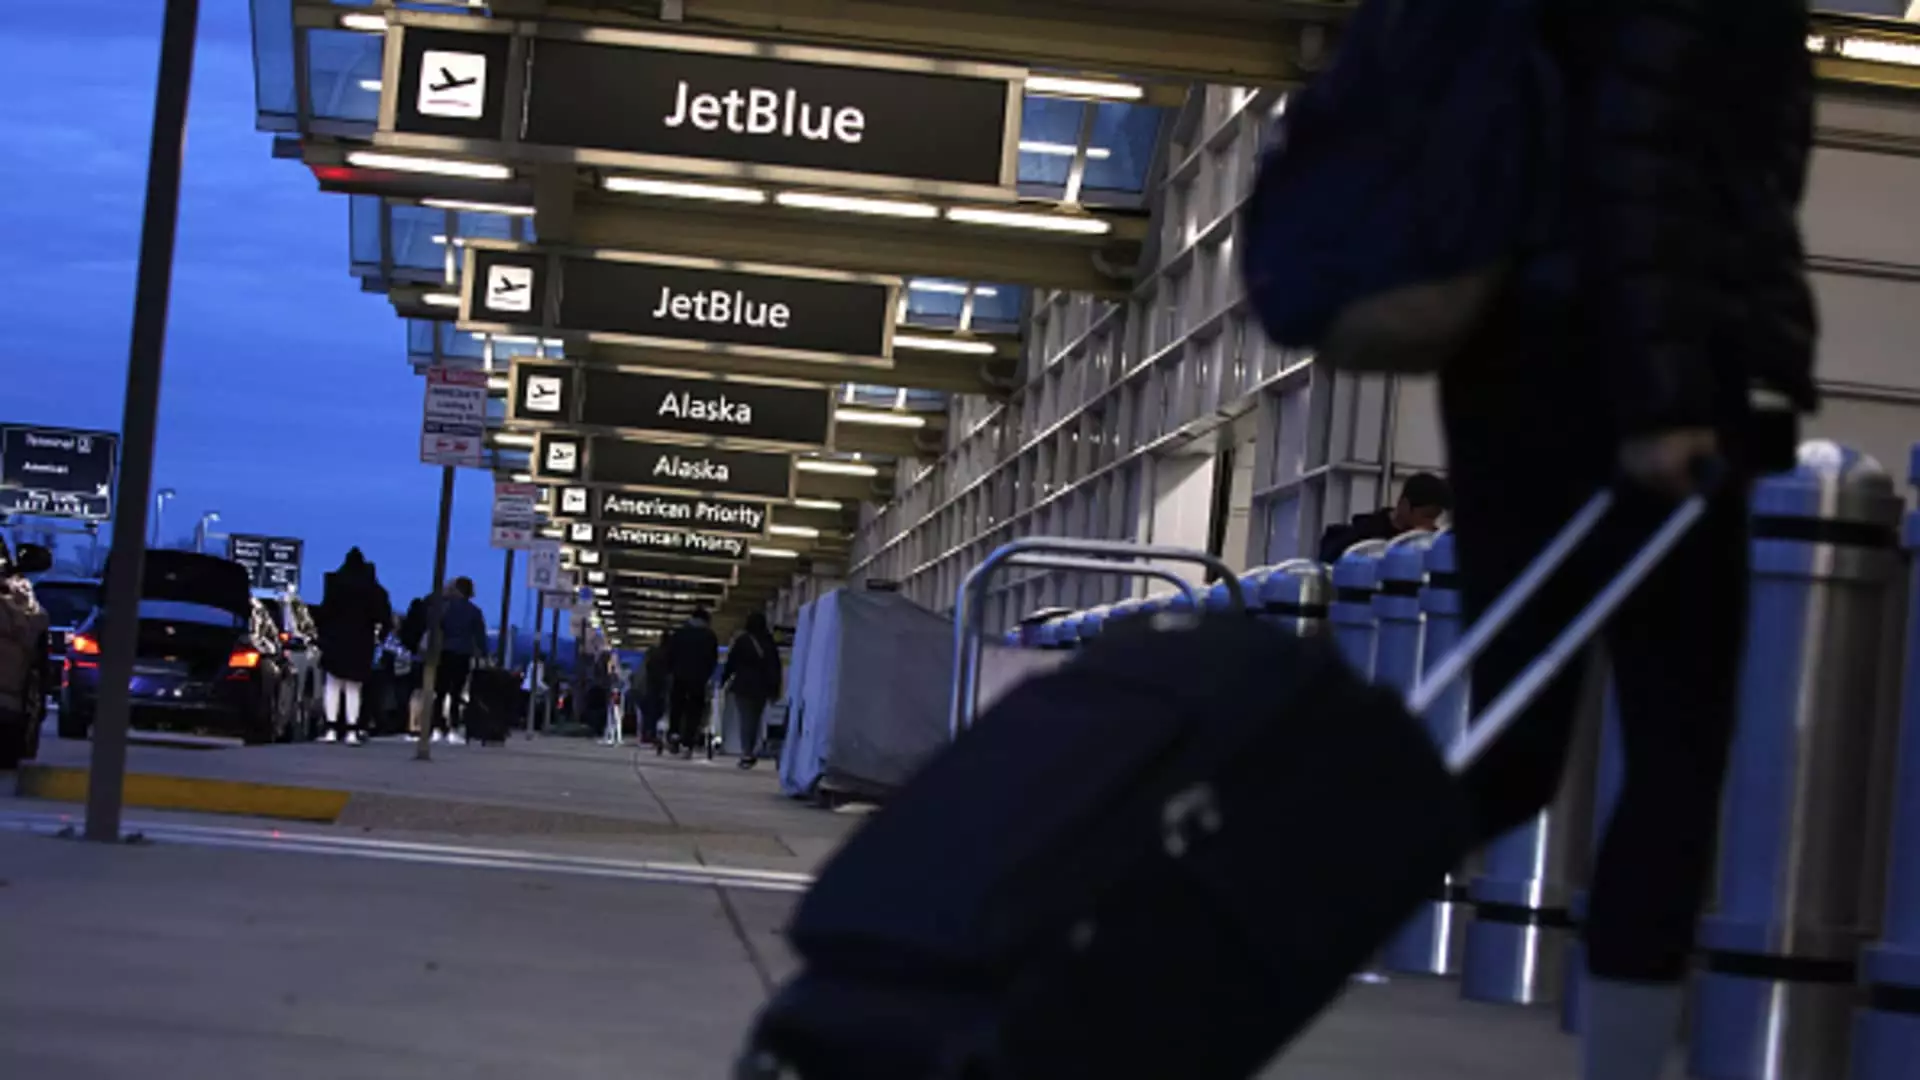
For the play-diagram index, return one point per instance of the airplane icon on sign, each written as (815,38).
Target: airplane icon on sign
(448,81)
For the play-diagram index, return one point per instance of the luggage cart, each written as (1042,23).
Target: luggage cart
(1111,557)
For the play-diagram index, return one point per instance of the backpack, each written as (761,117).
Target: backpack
(1406,182)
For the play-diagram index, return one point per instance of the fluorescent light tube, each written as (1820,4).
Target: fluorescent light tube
(799,531)
(818,504)
(371,86)
(880,419)
(836,468)
(1086,88)
(774,553)
(467,207)
(850,204)
(471,170)
(1015,219)
(940,344)
(440,299)
(513,438)
(1060,149)
(366,24)
(950,288)
(681,189)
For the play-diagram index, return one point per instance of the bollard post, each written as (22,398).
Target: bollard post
(1797,893)
(1886,1026)
(1355,578)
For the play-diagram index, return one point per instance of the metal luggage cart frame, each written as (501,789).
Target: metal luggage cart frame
(1110,557)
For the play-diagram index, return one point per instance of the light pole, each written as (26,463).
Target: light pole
(200,530)
(159,509)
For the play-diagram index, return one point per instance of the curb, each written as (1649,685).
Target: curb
(149,791)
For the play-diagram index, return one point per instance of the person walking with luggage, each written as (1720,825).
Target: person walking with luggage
(692,654)
(752,677)
(1678,302)
(463,636)
(353,616)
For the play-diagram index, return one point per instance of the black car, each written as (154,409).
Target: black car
(69,603)
(208,659)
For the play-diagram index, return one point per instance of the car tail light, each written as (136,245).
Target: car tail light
(85,645)
(244,659)
(285,637)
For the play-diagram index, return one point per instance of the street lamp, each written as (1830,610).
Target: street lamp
(159,510)
(200,530)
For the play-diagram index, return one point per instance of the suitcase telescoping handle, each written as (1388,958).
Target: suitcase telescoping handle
(1486,728)
(1058,553)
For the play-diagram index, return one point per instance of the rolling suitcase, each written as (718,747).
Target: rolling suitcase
(1162,860)
(492,697)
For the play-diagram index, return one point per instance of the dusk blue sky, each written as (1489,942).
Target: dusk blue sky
(288,404)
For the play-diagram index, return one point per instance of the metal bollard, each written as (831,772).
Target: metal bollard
(1886,1026)
(1797,892)
(1608,777)
(1521,899)
(1093,623)
(1296,595)
(1355,579)
(1220,598)
(1068,634)
(1430,942)
(1399,624)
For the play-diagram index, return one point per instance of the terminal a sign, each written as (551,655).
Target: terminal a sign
(272,562)
(708,106)
(705,406)
(670,302)
(56,472)
(608,507)
(605,460)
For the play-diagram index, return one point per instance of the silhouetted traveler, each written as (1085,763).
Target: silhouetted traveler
(1424,500)
(463,636)
(692,653)
(752,676)
(353,616)
(1676,302)
(654,683)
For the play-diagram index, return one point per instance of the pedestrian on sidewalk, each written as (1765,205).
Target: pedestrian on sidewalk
(463,636)
(353,616)
(752,679)
(692,654)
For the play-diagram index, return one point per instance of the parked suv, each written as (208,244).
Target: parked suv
(300,640)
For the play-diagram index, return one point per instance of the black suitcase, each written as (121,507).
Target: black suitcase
(1162,860)
(493,700)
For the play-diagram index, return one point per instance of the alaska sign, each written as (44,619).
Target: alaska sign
(703,106)
(672,302)
(705,406)
(605,460)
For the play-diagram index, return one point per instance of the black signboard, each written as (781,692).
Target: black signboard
(644,538)
(749,108)
(608,506)
(451,83)
(664,585)
(272,562)
(646,562)
(669,301)
(716,408)
(57,472)
(605,460)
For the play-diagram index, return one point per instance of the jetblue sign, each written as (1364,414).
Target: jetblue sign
(673,403)
(672,302)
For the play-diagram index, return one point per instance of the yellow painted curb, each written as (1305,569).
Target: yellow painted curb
(154,792)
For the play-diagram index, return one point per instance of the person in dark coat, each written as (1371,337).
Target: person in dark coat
(353,616)
(1672,324)
(752,677)
(692,654)
(463,636)
(652,692)
(1424,500)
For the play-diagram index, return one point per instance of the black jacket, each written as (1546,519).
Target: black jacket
(693,652)
(753,666)
(1689,139)
(1338,538)
(353,617)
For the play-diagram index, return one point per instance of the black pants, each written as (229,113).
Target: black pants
(686,711)
(1529,440)
(752,709)
(449,680)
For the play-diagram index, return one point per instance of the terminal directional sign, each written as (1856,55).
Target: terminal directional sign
(58,472)
(706,406)
(694,545)
(272,562)
(706,106)
(607,461)
(607,506)
(642,562)
(645,584)
(671,302)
